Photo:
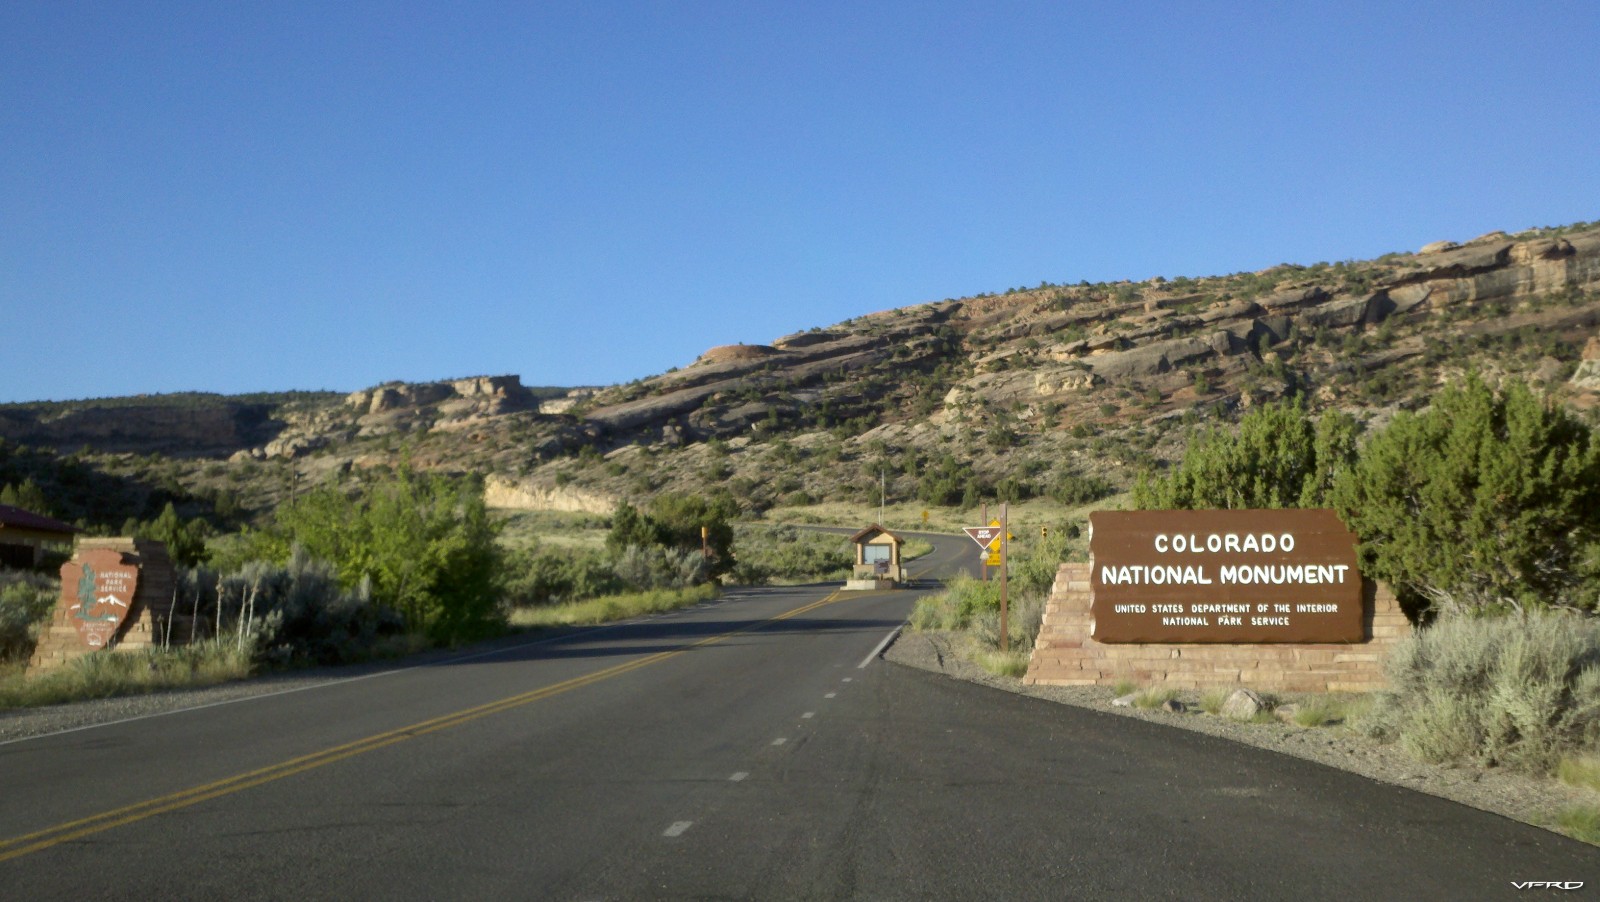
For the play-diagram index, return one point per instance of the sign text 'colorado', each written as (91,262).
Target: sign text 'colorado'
(1224,576)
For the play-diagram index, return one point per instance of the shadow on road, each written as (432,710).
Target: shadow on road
(653,637)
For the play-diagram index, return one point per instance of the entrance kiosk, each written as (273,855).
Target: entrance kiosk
(877,560)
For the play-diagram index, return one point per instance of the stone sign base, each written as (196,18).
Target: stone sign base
(146,621)
(1066,655)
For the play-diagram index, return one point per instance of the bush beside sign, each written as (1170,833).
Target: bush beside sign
(1225,576)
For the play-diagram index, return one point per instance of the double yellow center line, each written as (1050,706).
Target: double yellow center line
(19,846)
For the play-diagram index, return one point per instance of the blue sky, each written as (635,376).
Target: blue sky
(263,196)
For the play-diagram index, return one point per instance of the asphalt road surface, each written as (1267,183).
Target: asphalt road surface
(751,748)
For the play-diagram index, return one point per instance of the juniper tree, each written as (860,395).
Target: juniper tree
(1277,456)
(1487,499)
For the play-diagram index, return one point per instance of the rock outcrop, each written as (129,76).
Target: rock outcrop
(510,494)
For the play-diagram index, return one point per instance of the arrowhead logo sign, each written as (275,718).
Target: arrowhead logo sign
(103,587)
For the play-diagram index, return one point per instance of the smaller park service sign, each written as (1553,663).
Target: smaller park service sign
(1224,576)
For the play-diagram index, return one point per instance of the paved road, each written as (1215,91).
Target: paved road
(748,749)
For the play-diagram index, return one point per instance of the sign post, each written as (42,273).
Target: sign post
(983,560)
(992,539)
(1005,544)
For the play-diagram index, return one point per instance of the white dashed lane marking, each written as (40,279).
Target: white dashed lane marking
(739,777)
(779,741)
(808,715)
(831,695)
(677,828)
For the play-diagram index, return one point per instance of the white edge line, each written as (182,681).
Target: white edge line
(334,682)
(879,650)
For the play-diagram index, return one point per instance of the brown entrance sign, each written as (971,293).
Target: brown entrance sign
(98,589)
(1224,576)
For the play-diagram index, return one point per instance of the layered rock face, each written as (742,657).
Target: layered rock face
(992,380)
(1029,350)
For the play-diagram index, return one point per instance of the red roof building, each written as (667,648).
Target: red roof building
(25,536)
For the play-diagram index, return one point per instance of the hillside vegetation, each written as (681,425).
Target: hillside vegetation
(1064,393)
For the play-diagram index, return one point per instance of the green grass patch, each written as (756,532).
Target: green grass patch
(1580,770)
(1003,663)
(1123,687)
(1318,711)
(1212,700)
(1581,822)
(955,607)
(1154,697)
(612,607)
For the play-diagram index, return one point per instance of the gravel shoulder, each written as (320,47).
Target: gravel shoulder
(1526,799)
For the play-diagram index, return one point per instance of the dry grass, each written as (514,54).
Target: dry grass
(611,607)
(1317,711)
(109,674)
(1581,822)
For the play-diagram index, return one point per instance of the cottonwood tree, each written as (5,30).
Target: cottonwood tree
(425,542)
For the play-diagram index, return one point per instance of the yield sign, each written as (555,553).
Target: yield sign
(987,537)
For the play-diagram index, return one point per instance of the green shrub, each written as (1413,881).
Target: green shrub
(788,554)
(1024,614)
(1073,490)
(185,539)
(424,542)
(954,608)
(291,613)
(1276,457)
(643,568)
(26,600)
(1520,692)
(1488,499)
(533,577)
(675,521)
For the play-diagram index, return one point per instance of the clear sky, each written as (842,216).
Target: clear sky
(249,196)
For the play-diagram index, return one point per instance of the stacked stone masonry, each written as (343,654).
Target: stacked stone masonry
(148,616)
(1066,655)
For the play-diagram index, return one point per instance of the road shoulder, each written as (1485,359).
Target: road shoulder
(1525,799)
